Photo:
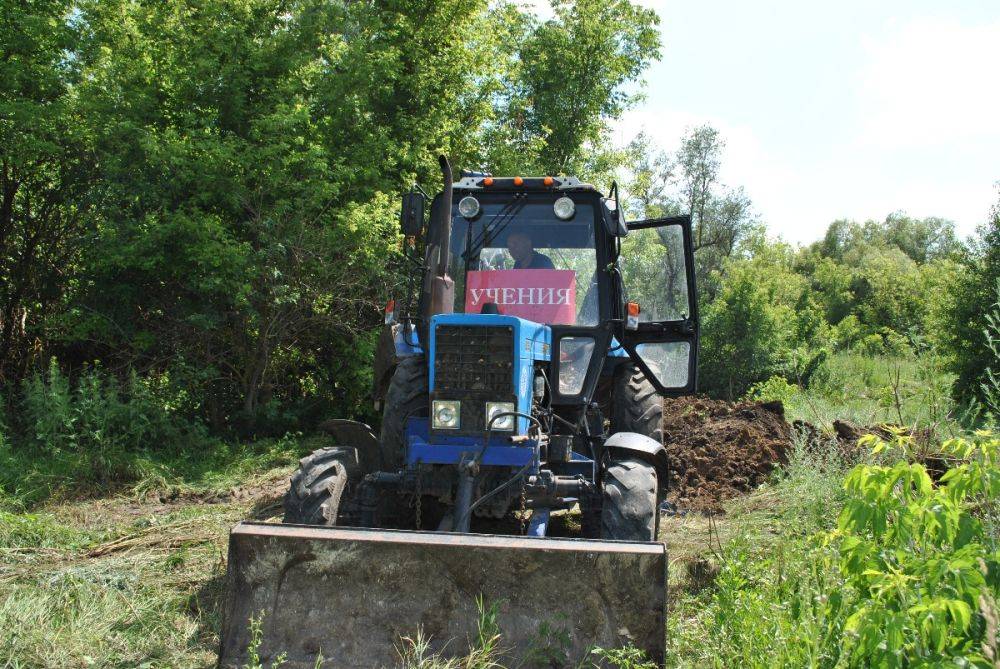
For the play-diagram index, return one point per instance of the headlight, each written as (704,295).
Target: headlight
(468,206)
(563,207)
(446,414)
(506,423)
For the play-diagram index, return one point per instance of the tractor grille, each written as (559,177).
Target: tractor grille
(473,361)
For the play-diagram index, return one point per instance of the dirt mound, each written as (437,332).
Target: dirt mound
(719,449)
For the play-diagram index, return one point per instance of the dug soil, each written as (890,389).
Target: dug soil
(719,450)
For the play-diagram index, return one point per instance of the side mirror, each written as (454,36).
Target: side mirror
(411,216)
(613,221)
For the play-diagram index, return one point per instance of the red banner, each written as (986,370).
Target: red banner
(540,295)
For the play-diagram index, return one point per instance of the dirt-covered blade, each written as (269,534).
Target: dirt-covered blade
(351,595)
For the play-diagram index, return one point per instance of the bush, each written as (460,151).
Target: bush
(974,295)
(775,389)
(99,431)
(750,328)
(909,576)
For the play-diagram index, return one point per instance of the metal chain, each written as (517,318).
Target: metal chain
(420,495)
(524,511)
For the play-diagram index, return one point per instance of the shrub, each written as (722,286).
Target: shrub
(973,297)
(909,576)
(915,556)
(98,431)
(749,329)
(775,389)
(990,385)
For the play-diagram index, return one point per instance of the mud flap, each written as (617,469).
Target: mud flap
(353,594)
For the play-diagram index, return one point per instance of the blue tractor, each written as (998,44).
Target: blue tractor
(523,376)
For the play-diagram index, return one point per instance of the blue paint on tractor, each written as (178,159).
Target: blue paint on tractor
(448,450)
(407,342)
(532,342)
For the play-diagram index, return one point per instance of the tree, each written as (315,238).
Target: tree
(46,172)
(974,297)
(575,69)
(652,170)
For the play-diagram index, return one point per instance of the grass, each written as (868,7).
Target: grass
(132,576)
(730,582)
(866,390)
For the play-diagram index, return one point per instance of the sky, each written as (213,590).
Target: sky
(853,109)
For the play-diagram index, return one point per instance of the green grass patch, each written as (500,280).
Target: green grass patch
(868,390)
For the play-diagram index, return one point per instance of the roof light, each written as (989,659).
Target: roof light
(564,208)
(548,181)
(518,181)
(488,181)
(468,207)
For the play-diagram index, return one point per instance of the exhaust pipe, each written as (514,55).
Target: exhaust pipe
(439,290)
(444,224)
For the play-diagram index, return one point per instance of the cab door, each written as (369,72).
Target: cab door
(656,273)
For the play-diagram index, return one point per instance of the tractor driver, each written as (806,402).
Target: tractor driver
(522,250)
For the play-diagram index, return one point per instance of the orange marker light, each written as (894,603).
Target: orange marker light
(632,320)
(518,181)
(548,181)
(488,181)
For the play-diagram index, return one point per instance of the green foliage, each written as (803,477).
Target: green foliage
(99,419)
(907,577)
(974,295)
(916,558)
(775,389)
(910,390)
(990,385)
(750,328)
(208,193)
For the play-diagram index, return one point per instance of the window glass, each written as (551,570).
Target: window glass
(574,358)
(670,362)
(527,262)
(654,273)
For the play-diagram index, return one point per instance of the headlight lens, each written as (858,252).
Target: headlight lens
(468,206)
(564,208)
(446,414)
(505,423)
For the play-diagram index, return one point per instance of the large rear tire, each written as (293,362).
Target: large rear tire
(407,397)
(635,404)
(322,488)
(630,510)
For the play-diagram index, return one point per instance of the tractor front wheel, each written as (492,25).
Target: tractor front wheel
(407,396)
(630,507)
(322,488)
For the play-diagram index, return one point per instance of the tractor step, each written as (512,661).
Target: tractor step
(351,594)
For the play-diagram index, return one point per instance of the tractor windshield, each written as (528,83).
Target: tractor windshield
(523,260)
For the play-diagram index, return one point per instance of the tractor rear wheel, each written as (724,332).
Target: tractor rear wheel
(322,487)
(407,397)
(635,404)
(630,510)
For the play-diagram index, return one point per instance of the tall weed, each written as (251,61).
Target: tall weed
(95,432)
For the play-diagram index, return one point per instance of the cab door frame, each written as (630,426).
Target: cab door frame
(684,330)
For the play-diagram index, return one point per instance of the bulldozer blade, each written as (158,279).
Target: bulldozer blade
(352,596)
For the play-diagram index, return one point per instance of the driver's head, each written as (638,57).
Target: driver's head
(521,247)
